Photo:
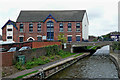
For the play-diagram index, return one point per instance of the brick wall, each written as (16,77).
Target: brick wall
(30,54)
(8,46)
(43,44)
(43,32)
(34,44)
(4,34)
(7,58)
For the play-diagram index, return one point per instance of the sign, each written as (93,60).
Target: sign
(44,38)
(65,45)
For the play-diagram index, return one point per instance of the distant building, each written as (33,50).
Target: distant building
(115,36)
(47,25)
(92,38)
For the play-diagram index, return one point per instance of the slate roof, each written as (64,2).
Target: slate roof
(59,15)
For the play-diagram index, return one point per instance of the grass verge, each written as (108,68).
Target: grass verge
(24,75)
(92,47)
(42,60)
(78,54)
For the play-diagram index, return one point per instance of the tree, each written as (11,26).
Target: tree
(62,38)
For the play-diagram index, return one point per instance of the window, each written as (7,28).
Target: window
(9,29)
(21,39)
(69,27)
(21,27)
(50,35)
(61,27)
(9,37)
(77,38)
(50,30)
(69,38)
(39,27)
(30,27)
(50,26)
(39,38)
(78,27)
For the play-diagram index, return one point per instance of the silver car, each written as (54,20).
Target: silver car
(24,48)
(13,49)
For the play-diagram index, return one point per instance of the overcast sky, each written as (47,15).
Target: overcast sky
(102,14)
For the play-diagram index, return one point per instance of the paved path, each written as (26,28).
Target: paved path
(103,51)
(36,68)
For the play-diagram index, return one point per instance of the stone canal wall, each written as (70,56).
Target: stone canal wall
(54,68)
(115,60)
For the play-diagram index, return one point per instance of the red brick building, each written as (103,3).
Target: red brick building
(47,25)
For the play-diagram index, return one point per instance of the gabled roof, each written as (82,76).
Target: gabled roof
(10,22)
(59,15)
(50,16)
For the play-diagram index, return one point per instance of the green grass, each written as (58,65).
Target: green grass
(78,54)
(92,47)
(88,47)
(64,54)
(24,75)
(42,60)
(67,55)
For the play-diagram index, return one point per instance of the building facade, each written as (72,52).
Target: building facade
(115,36)
(47,25)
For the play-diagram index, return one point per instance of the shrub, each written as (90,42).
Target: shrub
(19,66)
(116,46)
(51,50)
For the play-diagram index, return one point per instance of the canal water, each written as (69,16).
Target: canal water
(96,66)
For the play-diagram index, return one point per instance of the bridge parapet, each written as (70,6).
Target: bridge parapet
(77,44)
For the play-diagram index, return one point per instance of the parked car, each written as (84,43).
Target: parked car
(3,50)
(24,48)
(13,49)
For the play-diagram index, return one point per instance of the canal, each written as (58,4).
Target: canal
(96,66)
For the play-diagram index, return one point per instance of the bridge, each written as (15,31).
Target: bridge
(82,44)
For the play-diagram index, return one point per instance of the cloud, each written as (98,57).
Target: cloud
(102,14)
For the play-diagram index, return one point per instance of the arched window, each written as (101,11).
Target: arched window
(61,27)
(69,27)
(30,27)
(30,39)
(50,30)
(39,27)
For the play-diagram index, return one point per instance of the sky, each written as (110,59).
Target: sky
(102,14)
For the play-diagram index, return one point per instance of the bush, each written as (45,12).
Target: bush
(51,50)
(19,66)
(116,46)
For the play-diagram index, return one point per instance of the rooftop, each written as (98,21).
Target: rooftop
(59,15)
